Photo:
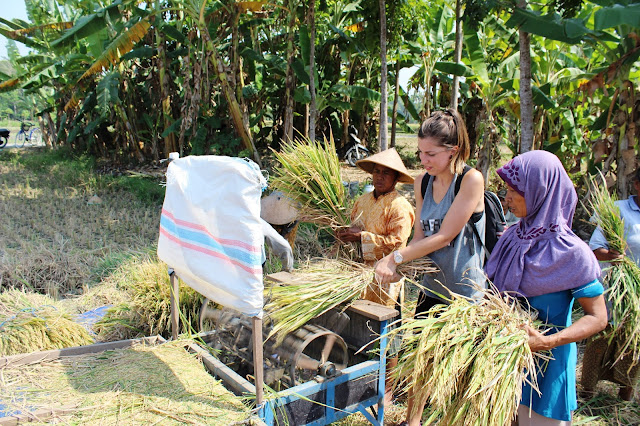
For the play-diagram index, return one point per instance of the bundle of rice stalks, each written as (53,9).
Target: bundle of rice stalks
(320,287)
(40,329)
(309,172)
(622,277)
(148,310)
(467,360)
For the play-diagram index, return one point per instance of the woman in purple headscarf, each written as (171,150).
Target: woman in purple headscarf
(542,260)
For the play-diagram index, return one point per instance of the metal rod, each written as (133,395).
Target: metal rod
(258,368)
(175,304)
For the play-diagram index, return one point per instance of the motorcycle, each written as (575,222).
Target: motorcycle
(353,150)
(4,137)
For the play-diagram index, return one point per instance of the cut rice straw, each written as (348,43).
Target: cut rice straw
(309,172)
(40,329)
(320,287)
(622,277)
(469,361)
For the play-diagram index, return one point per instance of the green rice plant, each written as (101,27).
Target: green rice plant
(40,329)
(321,286)
(467,360)
(309,173)
(622,278)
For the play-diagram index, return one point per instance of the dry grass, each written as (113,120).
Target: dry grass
(51,240)
(142,385)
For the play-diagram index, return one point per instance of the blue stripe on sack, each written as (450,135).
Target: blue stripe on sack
(203,240)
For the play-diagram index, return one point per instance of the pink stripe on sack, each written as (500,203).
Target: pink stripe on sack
(209,252)
(223,241)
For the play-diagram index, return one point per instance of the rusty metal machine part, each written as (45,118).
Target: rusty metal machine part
(308,352)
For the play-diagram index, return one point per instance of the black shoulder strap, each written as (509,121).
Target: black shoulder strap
(427,177)
(425,182)
(459,179)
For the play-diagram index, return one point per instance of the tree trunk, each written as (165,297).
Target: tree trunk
(457,54)
(394,114)
(234,107)
(382,138)
(287,131)
(486,152)
(526,97)
(313,112)
(170,139)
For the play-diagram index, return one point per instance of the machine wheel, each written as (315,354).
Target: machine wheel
(3,141)
(317,351)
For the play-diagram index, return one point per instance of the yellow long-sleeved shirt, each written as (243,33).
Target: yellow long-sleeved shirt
(386,223)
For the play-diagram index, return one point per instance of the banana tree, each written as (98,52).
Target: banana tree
(609,32)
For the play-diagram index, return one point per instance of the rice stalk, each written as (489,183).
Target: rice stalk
(148,308)
(309,173)
(622,278)
(40,329)
(467,360)
(320,287)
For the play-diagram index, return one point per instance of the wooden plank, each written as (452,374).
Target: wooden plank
(36,357)
(373,310)
(258,360)
(175,304)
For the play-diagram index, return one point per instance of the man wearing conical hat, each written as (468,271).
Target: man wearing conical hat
(382,220)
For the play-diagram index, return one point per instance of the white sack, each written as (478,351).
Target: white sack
(210,230)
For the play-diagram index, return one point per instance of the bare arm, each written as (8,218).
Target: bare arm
(593,321)
(470,198)
(607,255)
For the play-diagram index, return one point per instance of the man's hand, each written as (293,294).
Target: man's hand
(350,234)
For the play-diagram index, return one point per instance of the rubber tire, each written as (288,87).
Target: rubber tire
(3,141)
(352,157)
(20,138)
(35,137)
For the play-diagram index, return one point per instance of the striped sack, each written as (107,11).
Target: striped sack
(210,231)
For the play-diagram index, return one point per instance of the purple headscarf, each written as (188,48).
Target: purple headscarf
(540,254)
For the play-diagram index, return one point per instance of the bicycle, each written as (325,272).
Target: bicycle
(29,133)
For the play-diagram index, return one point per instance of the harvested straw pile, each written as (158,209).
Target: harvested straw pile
(148,308)
(309,172)
(142,385)
(321,286)
(39,329)
(467,360)
(622,278)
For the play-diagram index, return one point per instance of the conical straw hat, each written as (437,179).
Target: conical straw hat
(388,158)
(278,209)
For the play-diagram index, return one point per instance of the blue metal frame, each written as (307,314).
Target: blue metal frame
(331,414)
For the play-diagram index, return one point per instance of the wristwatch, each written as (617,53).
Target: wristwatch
(397,257)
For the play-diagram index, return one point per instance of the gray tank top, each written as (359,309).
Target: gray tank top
(461,262)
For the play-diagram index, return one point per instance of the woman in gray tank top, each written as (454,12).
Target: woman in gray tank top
(443,232)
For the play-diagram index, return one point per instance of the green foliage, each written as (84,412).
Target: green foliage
(145,188)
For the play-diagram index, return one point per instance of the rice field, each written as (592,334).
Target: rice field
(58,249)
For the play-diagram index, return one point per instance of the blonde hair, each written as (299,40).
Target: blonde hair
(448,129)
